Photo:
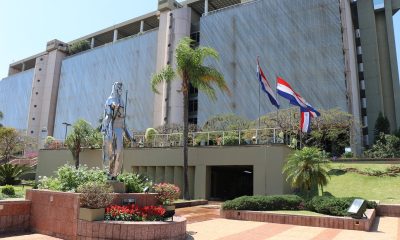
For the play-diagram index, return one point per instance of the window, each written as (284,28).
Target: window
(362,84)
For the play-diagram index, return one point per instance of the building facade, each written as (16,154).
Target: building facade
(337,54)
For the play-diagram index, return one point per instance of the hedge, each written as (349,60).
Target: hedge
(333,206)
(264,203)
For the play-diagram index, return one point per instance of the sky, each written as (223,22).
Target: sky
(27,25)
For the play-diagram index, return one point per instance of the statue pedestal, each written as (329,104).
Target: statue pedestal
(118,187)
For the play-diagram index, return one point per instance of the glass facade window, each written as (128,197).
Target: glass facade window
(379,4)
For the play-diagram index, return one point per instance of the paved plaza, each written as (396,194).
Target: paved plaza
(204,223)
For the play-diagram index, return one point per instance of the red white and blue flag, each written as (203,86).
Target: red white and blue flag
(265,86)
(305,121)
(285,90)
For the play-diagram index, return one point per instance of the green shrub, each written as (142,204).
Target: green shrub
(134,183)
(333,206)
(10,173)
(8,190)
(264,203)
(78,47)
(95,195)
(69,179)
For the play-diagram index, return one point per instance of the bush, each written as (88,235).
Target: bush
(10,173)
(134,183)
(264,203)
(95,195)
(8,190)
(78,47)
(386,146)
(167,193)
(333,206)
(69,179)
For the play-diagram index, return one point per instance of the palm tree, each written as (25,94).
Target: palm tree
(9,173)
(190,68)
(307,168)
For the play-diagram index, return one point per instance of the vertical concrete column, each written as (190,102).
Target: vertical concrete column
(141,26)
(200,178)
(174,25)
(205,7)
(115,37)
(45,91)
(160,173)
(178,178)
(169,174)
(353,88)
(23,67)
(92,42)
(181,28)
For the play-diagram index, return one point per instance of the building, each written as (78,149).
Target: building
(335,53)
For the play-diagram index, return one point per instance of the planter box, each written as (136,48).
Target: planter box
(91,214)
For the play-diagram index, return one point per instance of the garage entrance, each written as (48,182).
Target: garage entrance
(229,182)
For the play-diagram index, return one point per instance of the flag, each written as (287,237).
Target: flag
(265,86)
(305,121)
(285,90)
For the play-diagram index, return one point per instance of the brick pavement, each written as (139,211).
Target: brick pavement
(204,223)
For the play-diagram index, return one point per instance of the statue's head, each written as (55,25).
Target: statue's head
(116,89)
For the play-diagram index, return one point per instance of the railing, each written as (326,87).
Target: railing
(234,137)
(211,138)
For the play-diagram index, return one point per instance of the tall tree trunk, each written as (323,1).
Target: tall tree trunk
(75,156)
(185,91)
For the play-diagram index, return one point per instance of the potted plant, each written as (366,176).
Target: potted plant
(94,197)
(167,194)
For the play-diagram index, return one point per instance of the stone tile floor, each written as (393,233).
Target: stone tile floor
(204,223)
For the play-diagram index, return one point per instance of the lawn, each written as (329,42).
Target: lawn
(386,189)
(19,192)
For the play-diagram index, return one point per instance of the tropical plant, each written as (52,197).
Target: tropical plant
(134,183)
(307,169)
(382,125)
(82,135)
(190,68)
(167,193)
(10,173)
(95,195)
(10,142)
(150,135)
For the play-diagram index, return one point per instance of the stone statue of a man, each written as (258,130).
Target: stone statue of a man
(113,128)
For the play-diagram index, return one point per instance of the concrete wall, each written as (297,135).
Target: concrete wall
(299,40)
(87,78)
(15,95)
(166,165)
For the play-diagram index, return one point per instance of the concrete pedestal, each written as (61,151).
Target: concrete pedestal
(118,187)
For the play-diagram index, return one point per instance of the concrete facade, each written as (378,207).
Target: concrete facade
(337,54)
(166,165)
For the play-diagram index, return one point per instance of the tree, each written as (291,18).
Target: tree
(306,169)
(190,68)
(10,173)
(1,118)
(382,125)
(82,135)
(10,143)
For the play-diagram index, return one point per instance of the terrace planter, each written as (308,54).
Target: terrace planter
(89,214)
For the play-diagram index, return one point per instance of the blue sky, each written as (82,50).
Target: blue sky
(27,25)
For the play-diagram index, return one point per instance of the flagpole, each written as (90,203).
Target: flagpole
(259,101)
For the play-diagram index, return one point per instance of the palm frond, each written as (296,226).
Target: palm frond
(167,74)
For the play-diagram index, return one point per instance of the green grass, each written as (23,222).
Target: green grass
(297,212)
(385,189)
(19,192)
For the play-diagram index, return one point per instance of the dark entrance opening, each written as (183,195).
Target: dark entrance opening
(229,182)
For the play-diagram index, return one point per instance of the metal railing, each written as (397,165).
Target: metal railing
(216,138)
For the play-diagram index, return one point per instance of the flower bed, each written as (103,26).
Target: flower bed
(313,221)
(134,213)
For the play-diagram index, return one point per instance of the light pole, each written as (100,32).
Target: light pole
(66,129)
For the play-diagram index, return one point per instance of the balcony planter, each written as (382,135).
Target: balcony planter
(89,214)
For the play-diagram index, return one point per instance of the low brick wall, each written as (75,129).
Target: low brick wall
(190,203)
(390,210)
(14,216)
(175,230)
(141,199)
(52,211)
(313,221)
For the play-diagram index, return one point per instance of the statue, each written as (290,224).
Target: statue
(113,127)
